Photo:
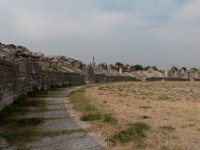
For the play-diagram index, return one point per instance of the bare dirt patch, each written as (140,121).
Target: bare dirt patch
(171,109)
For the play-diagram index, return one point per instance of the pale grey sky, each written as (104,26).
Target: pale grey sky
(148,32)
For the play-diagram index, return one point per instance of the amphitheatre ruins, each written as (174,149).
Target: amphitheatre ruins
(23,72)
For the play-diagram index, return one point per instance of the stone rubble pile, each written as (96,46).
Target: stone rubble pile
(50,63)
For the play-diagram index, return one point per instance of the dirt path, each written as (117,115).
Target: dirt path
(63,129)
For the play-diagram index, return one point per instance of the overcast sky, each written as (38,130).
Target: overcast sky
(148,32)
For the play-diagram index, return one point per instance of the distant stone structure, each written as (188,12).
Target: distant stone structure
(173,72)
(184,73)
(192,73)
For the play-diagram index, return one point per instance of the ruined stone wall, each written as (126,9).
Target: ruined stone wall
(120,78)
(108,78)
(17,80)
(8,82)
(192,73)
(100,78)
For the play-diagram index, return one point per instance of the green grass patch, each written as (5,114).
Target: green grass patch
(29,103)
(20,135)
(20,131)
(29,121)
(21,105)
(136,131)
(109,118)
(90,111)
(91,116)
(81,102)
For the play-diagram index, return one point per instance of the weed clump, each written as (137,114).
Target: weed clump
(90,111)
(91,117)
(135,132)
(19,131)
(82,103)
(29,121)
(109,118)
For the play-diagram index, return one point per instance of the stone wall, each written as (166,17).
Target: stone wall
(92,77)
(99,78)
(22,75)
(17,80)
(8,83)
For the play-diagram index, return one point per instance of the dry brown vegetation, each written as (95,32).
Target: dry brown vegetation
(171,109)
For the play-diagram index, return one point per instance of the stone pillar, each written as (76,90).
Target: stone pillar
(89,74)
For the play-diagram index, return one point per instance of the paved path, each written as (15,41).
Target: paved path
(63,122)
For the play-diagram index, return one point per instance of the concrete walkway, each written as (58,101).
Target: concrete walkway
(62,126)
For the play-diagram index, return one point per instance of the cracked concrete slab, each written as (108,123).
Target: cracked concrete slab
(57,102)
(49,114)
(76,141)
(63,124)
(51,100)
(56,107)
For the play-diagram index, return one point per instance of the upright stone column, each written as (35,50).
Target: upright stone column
(89,74)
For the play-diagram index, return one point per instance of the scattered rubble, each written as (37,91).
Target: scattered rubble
(51,63)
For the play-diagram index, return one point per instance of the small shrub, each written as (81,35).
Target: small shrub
(109,118)
(89,107)
(91,117)
(134,132)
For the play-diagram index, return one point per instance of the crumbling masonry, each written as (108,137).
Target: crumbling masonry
(21,71)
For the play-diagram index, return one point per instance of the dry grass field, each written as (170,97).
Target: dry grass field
(147,115)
